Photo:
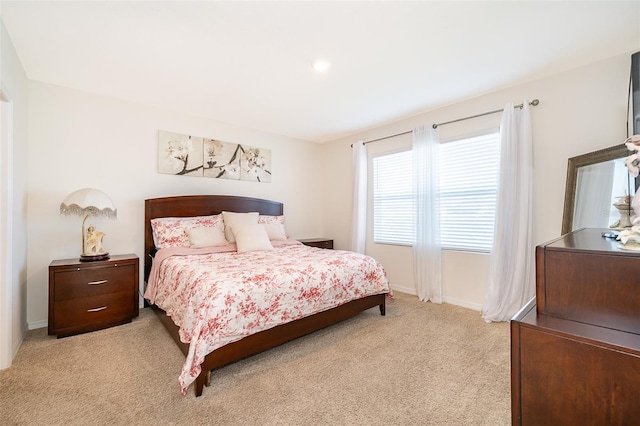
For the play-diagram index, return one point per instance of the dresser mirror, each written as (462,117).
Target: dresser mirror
(595,181)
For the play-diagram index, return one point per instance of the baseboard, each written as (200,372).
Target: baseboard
(449,300)
(37,324)
(462,303)
(406,290)
(16,347)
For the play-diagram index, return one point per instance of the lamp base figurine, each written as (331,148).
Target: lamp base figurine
(93,257)
(94,250)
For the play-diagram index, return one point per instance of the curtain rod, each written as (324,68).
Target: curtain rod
(435,126)
(385,137)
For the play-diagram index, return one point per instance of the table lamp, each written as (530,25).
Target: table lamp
(90,202)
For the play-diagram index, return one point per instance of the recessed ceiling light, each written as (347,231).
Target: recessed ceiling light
(320,65)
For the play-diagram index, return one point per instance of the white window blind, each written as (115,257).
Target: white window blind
(469,171)
(393,204)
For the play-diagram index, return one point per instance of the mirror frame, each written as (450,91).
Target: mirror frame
(606,154)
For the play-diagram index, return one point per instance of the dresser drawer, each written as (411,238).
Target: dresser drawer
(71,284)
(86,311)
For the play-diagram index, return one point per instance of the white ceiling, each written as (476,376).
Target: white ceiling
(248,63)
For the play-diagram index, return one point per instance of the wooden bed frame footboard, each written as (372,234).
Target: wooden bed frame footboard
(201,205)
(270,338)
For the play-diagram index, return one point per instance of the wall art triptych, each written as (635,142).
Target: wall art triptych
(186,155)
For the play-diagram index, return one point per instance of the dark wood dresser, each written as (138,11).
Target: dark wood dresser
(88,296)
(575,347)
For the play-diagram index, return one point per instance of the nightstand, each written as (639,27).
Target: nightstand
(318,242)
(89,296)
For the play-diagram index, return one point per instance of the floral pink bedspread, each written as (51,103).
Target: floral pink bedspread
(218,296)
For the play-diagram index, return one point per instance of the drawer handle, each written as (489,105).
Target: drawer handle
(97,309)
(97,282)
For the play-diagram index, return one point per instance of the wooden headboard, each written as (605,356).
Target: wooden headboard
(199,205)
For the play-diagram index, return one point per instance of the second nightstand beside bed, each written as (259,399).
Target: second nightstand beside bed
(318,242)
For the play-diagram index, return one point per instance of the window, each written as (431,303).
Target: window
(469,171)
(468,186)
(393,206)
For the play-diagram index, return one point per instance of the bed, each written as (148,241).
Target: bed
(194,206)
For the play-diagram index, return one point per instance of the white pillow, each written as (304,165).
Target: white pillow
(252,238)
(276,226)
(236,220)
(275,231)
(206,236)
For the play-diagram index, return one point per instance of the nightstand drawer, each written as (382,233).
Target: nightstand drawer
(318,242)
(103,309)
(71,284)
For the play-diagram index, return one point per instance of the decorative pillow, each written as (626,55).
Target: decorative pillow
(207,236)
(275,231)
(236,220)
(252,238)
(275,227)
(170,231)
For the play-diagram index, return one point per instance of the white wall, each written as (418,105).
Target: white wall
(580,111)
(13,207)
(79,140)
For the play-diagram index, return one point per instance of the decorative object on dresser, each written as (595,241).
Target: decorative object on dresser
(88,296)
(238,333)
(90,202)
(623,205)
(318,242)
(633,166)
(575,347)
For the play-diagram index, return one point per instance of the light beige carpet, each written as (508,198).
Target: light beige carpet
(421,364)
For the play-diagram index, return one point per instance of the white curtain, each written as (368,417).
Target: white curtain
(511,281)
(427,254)
(359,210)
